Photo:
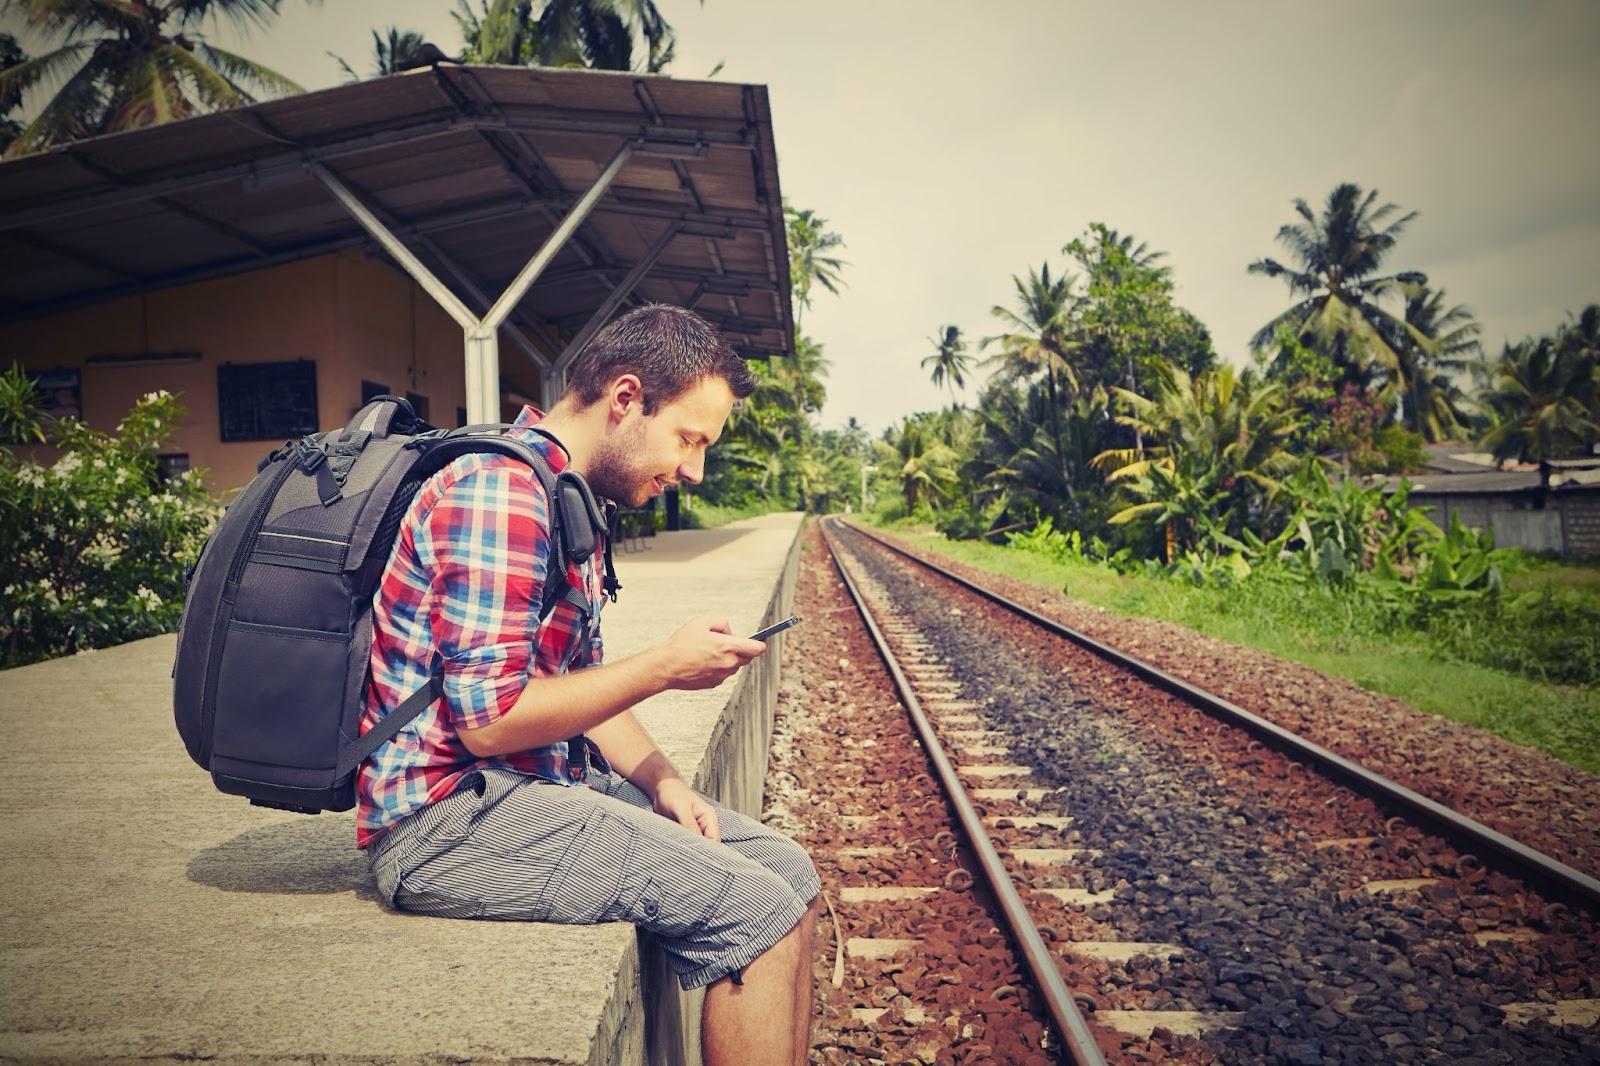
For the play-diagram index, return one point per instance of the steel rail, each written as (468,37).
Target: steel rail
(1076,1038)
(1555,877)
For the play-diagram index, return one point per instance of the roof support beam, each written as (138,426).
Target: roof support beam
(557,379)
(557,240)
(481,336)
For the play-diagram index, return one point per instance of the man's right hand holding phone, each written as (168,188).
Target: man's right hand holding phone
(703,653)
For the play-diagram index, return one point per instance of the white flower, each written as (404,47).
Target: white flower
(159,394)
(67,464)
(98,601)
(147,597)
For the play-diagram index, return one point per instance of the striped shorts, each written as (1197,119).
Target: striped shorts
(512,847)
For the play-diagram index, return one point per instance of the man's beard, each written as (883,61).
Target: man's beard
(614,472)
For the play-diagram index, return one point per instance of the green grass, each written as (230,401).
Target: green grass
(1318,629)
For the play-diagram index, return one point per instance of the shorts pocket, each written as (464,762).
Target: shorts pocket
(587,880)
(682,893)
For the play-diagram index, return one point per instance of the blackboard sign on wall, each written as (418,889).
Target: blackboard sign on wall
(267,401)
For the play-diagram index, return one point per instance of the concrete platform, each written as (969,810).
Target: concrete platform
(147,916)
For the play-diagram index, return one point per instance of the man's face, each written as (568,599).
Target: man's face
(644,454)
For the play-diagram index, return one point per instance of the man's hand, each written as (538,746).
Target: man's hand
(676,800)
(704,653)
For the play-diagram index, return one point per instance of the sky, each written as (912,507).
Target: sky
(956,145)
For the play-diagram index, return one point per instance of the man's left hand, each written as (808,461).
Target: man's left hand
(688,808)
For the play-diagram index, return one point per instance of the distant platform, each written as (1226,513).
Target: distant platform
(147,916)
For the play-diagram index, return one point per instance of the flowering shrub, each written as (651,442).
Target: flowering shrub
(95,544)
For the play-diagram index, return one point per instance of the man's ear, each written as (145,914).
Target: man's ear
(626,393)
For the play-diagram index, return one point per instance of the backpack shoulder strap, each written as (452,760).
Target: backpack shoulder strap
(490,438)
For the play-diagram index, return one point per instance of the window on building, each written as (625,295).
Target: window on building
(170,466)
(369,389)
(267,401)
(461,416)
(419,404)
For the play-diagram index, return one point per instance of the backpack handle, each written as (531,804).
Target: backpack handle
(382,416)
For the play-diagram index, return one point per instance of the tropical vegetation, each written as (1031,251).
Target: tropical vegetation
(97,541)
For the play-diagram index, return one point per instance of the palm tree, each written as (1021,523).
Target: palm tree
(1546,400)
(1042,329)
(11,55)
(390,53)
(1022,462)
(811,258)
(598,34)
(1337,282)
(950,362)
(123,64)
(1439,342)
(925,464)
(1215,452)
(1040,338)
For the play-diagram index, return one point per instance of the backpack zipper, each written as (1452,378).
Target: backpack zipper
(230,589)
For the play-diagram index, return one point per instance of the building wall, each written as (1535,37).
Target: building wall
(356,315)
(1568,524)
(1581,524)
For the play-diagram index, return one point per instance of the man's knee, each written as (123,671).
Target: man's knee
(790,861)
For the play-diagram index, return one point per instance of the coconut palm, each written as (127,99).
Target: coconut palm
(1041,334)
(1040,340)
(11,55)
(1544,400)
(122,64)
(1439,343)
(598,34)
(390,53)
(1335,278)
(1022,462)
(949,363)
(811,258)
(1214,451)
(924,464)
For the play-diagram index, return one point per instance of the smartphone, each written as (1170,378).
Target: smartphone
(792,620)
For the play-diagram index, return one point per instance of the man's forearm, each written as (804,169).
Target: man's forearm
(555,708)
(631,752)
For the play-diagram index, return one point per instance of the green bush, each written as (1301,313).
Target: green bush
(95,543)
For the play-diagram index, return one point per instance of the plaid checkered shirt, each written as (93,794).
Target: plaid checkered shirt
(462,587)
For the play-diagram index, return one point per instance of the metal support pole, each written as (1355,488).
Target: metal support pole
(483,375)
(392,244)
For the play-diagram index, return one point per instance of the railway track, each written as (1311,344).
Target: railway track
(1171,880)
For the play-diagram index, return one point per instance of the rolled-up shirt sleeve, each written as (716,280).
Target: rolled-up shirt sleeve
(487,547)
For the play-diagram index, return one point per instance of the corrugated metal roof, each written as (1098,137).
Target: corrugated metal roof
(477,164)
(1493,483)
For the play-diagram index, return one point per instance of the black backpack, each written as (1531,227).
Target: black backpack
(272,663)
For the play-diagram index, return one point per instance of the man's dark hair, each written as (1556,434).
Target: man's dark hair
(669,349)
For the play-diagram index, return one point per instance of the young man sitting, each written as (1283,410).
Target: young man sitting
(481,808)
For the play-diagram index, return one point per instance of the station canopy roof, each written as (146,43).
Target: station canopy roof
(471,167)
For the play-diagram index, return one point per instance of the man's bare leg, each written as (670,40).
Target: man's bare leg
(804,986)
(754,1022)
